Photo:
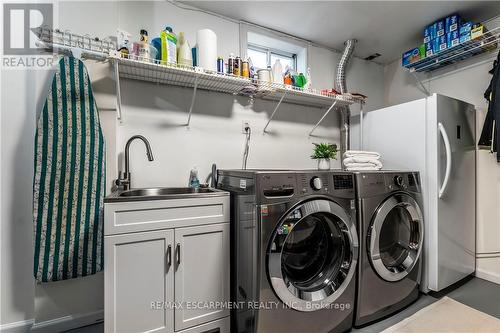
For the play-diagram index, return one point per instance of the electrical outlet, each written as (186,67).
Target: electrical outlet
(244,124)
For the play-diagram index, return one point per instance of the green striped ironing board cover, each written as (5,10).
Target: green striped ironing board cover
(69,182)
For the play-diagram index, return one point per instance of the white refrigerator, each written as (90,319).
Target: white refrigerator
(436,136)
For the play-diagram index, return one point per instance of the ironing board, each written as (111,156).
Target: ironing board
(69,181)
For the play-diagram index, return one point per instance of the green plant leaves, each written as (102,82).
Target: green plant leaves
(324,150)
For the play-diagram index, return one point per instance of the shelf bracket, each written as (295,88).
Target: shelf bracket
(118,92)
(275,109)
(193,99)
(424,89)
(326,113)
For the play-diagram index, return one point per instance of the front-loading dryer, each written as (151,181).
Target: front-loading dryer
(294,250)
(391,231)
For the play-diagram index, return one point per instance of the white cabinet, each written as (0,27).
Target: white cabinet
(138,273)
(202,274)
(167,277)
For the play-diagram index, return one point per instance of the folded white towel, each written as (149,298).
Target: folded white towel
(362,159)
(362,167)
(361,153)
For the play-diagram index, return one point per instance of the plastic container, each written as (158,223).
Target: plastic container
(168,47)
(184,53)
(194,182)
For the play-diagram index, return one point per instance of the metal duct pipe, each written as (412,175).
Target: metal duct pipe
(345,112)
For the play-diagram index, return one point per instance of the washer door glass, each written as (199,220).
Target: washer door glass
(395,237)
(312,255)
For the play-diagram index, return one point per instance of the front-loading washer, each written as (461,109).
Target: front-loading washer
(294,250)
(391,231)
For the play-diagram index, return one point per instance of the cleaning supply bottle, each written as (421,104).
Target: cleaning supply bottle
(308,84)
(277,72)
(184,54)
(168,47)
(144,46)
(194,182)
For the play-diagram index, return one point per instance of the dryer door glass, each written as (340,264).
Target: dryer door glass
(312,255)
(395,237)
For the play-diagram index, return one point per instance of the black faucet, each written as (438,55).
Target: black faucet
(125,180)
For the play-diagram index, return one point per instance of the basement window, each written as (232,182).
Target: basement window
(265,46)
(263,57)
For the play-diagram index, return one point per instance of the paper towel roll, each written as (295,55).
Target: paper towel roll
(206,49)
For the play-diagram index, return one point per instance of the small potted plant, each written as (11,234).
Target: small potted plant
(324,152)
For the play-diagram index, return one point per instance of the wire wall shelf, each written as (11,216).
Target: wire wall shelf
(78,45)
(487,42)
(145,69)
(134,67)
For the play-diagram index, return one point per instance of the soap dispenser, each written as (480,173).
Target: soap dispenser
(194,182)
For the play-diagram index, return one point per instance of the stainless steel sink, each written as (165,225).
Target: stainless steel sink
(162,193)
(148,192)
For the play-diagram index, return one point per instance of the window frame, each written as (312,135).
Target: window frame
(271,51)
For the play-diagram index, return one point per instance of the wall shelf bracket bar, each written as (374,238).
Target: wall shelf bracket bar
(193,99)
(422,86)
(275,109)
(326,113)
(118,92)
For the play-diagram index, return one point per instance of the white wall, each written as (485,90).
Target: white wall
(157,112)
(466,81)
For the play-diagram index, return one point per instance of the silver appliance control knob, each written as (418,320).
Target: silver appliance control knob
(316,183)
(398,180)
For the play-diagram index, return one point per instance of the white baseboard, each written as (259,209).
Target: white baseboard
(489,276)
(18,326)
(68,322)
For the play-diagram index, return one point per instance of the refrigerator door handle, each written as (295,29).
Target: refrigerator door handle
(447,147)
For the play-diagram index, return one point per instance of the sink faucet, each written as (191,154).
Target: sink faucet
(125,180)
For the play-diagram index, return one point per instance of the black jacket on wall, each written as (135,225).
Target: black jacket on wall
(489,135)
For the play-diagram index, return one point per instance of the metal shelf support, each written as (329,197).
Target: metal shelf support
(275,109)
(424,89)
(118,92)
(326,113)
(193,99)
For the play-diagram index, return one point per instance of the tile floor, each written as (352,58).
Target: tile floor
(476,293)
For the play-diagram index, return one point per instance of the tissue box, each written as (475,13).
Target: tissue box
(440,28)
(452,39)
(477,31)
(429,48)
(413,55)
(465,28)
(440,44)
(464,37)
(452,23)
(430,33)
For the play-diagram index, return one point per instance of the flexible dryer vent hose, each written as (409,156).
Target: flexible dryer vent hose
(345,112)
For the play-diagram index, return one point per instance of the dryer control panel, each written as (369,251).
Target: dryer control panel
(310,183)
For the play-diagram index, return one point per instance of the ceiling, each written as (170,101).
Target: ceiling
(385,27)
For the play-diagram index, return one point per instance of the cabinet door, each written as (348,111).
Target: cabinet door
(202,274)
(139,282)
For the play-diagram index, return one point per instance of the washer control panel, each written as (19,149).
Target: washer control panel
(316,183)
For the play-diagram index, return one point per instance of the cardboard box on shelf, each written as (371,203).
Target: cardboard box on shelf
(430,32)
(413,55)
(477,31)
(452,39)
(452,23)
(440,28)
(464,38)
(440,44)
(429,48)
(465,28)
